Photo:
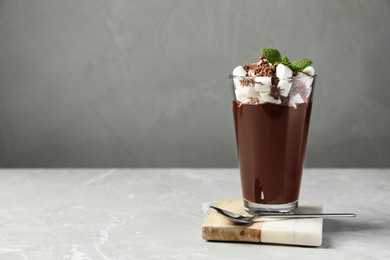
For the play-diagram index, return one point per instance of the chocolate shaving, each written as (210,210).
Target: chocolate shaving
(262,68)
(247,82)
(253,101)
(275,92)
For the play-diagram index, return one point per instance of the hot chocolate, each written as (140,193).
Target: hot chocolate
(271,142)
(272,107)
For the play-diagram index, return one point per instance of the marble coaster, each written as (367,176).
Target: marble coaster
(304,232)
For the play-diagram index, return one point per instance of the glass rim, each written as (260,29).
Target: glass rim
(253,77)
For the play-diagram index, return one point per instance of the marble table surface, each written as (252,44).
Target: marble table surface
(82,214)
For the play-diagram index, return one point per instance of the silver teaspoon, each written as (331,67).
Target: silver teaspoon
(239,219)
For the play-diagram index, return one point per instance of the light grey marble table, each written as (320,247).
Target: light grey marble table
(158,214)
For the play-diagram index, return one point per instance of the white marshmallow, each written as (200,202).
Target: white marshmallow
(239,71)
(244,94)
(309,70)
(262,88)
(307,81)
(285,86)
(252,92)
(237,83)
(241,94)
(266,98)
(308,92)
(297,99)
(263,83)
(283,72)
(292,104)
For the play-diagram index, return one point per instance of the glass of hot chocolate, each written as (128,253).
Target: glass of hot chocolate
(271,108)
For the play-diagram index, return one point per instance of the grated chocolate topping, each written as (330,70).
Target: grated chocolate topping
(262,68)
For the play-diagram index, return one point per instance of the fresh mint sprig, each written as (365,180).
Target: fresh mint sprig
(273,56)
(285,61)
(299,65)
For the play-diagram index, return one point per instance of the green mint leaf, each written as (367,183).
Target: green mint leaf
(272,55)
(285,60)
(299,65)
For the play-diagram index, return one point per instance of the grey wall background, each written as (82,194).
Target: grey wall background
(96,83)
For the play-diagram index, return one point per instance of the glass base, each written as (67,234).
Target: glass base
(256,208)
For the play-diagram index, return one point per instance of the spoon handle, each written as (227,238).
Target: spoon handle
(305,215)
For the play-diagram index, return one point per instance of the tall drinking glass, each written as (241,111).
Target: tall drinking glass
(271,142)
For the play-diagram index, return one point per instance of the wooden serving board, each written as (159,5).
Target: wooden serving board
(306,232)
